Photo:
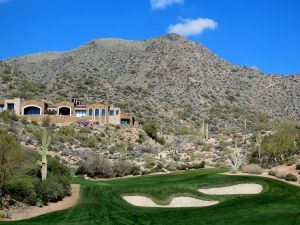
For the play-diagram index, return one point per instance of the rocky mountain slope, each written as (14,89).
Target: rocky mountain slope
(169,80)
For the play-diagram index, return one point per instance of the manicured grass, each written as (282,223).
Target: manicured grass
(102,203)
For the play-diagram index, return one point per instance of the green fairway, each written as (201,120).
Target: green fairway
(102,203)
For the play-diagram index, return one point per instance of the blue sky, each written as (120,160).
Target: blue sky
(261,33)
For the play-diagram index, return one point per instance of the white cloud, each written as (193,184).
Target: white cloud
(161,4)
(191,27)
(3,1)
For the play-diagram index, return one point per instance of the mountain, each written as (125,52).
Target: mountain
(169,80)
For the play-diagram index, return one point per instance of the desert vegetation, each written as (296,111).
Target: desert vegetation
(23,179)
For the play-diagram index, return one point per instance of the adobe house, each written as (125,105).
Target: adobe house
(67,112)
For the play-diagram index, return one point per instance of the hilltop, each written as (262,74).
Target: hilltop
(169,80)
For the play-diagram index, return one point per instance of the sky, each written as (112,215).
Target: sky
(260,33)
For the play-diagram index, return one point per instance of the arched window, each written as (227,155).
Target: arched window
(32,110)
(97,112)
(90,112)
(103,112)
(65,111)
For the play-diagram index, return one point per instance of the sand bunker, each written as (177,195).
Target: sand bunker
(240,189)
(178,202)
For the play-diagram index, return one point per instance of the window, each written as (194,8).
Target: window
(32,110)
(96,112)
(1,108)
(90,112)
(80,113)
(103,112)
(10,106)
(117,112)
(125,121)
(111,112)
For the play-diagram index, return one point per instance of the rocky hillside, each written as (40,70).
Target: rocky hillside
(169,80)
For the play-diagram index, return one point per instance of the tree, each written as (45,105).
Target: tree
(10,156)
(43,152)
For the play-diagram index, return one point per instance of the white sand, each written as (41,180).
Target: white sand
(265,174)
(240,189)
(34,211)
(177,202)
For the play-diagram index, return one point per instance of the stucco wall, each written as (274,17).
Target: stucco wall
(66,104)
(39,104)
(54,119)
(99,106)
(16,102)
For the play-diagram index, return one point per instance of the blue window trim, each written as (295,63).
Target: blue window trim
(103,112)
(97,112)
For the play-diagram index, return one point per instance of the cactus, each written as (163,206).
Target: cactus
(245,125)
(206,132)
(236,159)
(259,139)
(43,152)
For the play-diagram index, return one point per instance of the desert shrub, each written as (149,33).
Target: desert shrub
(149,161)
(26,184)
(9,116)
(182,166)
(150,129)
(141,138)
(280,145)
(57,168)
(253,169)
(272,172)
(23,189)
(298,166)
(161,140)
(280,174)
(46,121)
(197,165)
(84,130)
(11,155)
(54,189)
(91,142)
(291,177)
(98,167)
(82,169)
(122,168)
(66,133)
(135,170)
(172,166)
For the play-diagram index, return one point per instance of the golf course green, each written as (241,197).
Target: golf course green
(101,202)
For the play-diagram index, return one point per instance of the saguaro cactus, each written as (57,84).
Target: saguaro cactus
(43,152)
(206,132)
